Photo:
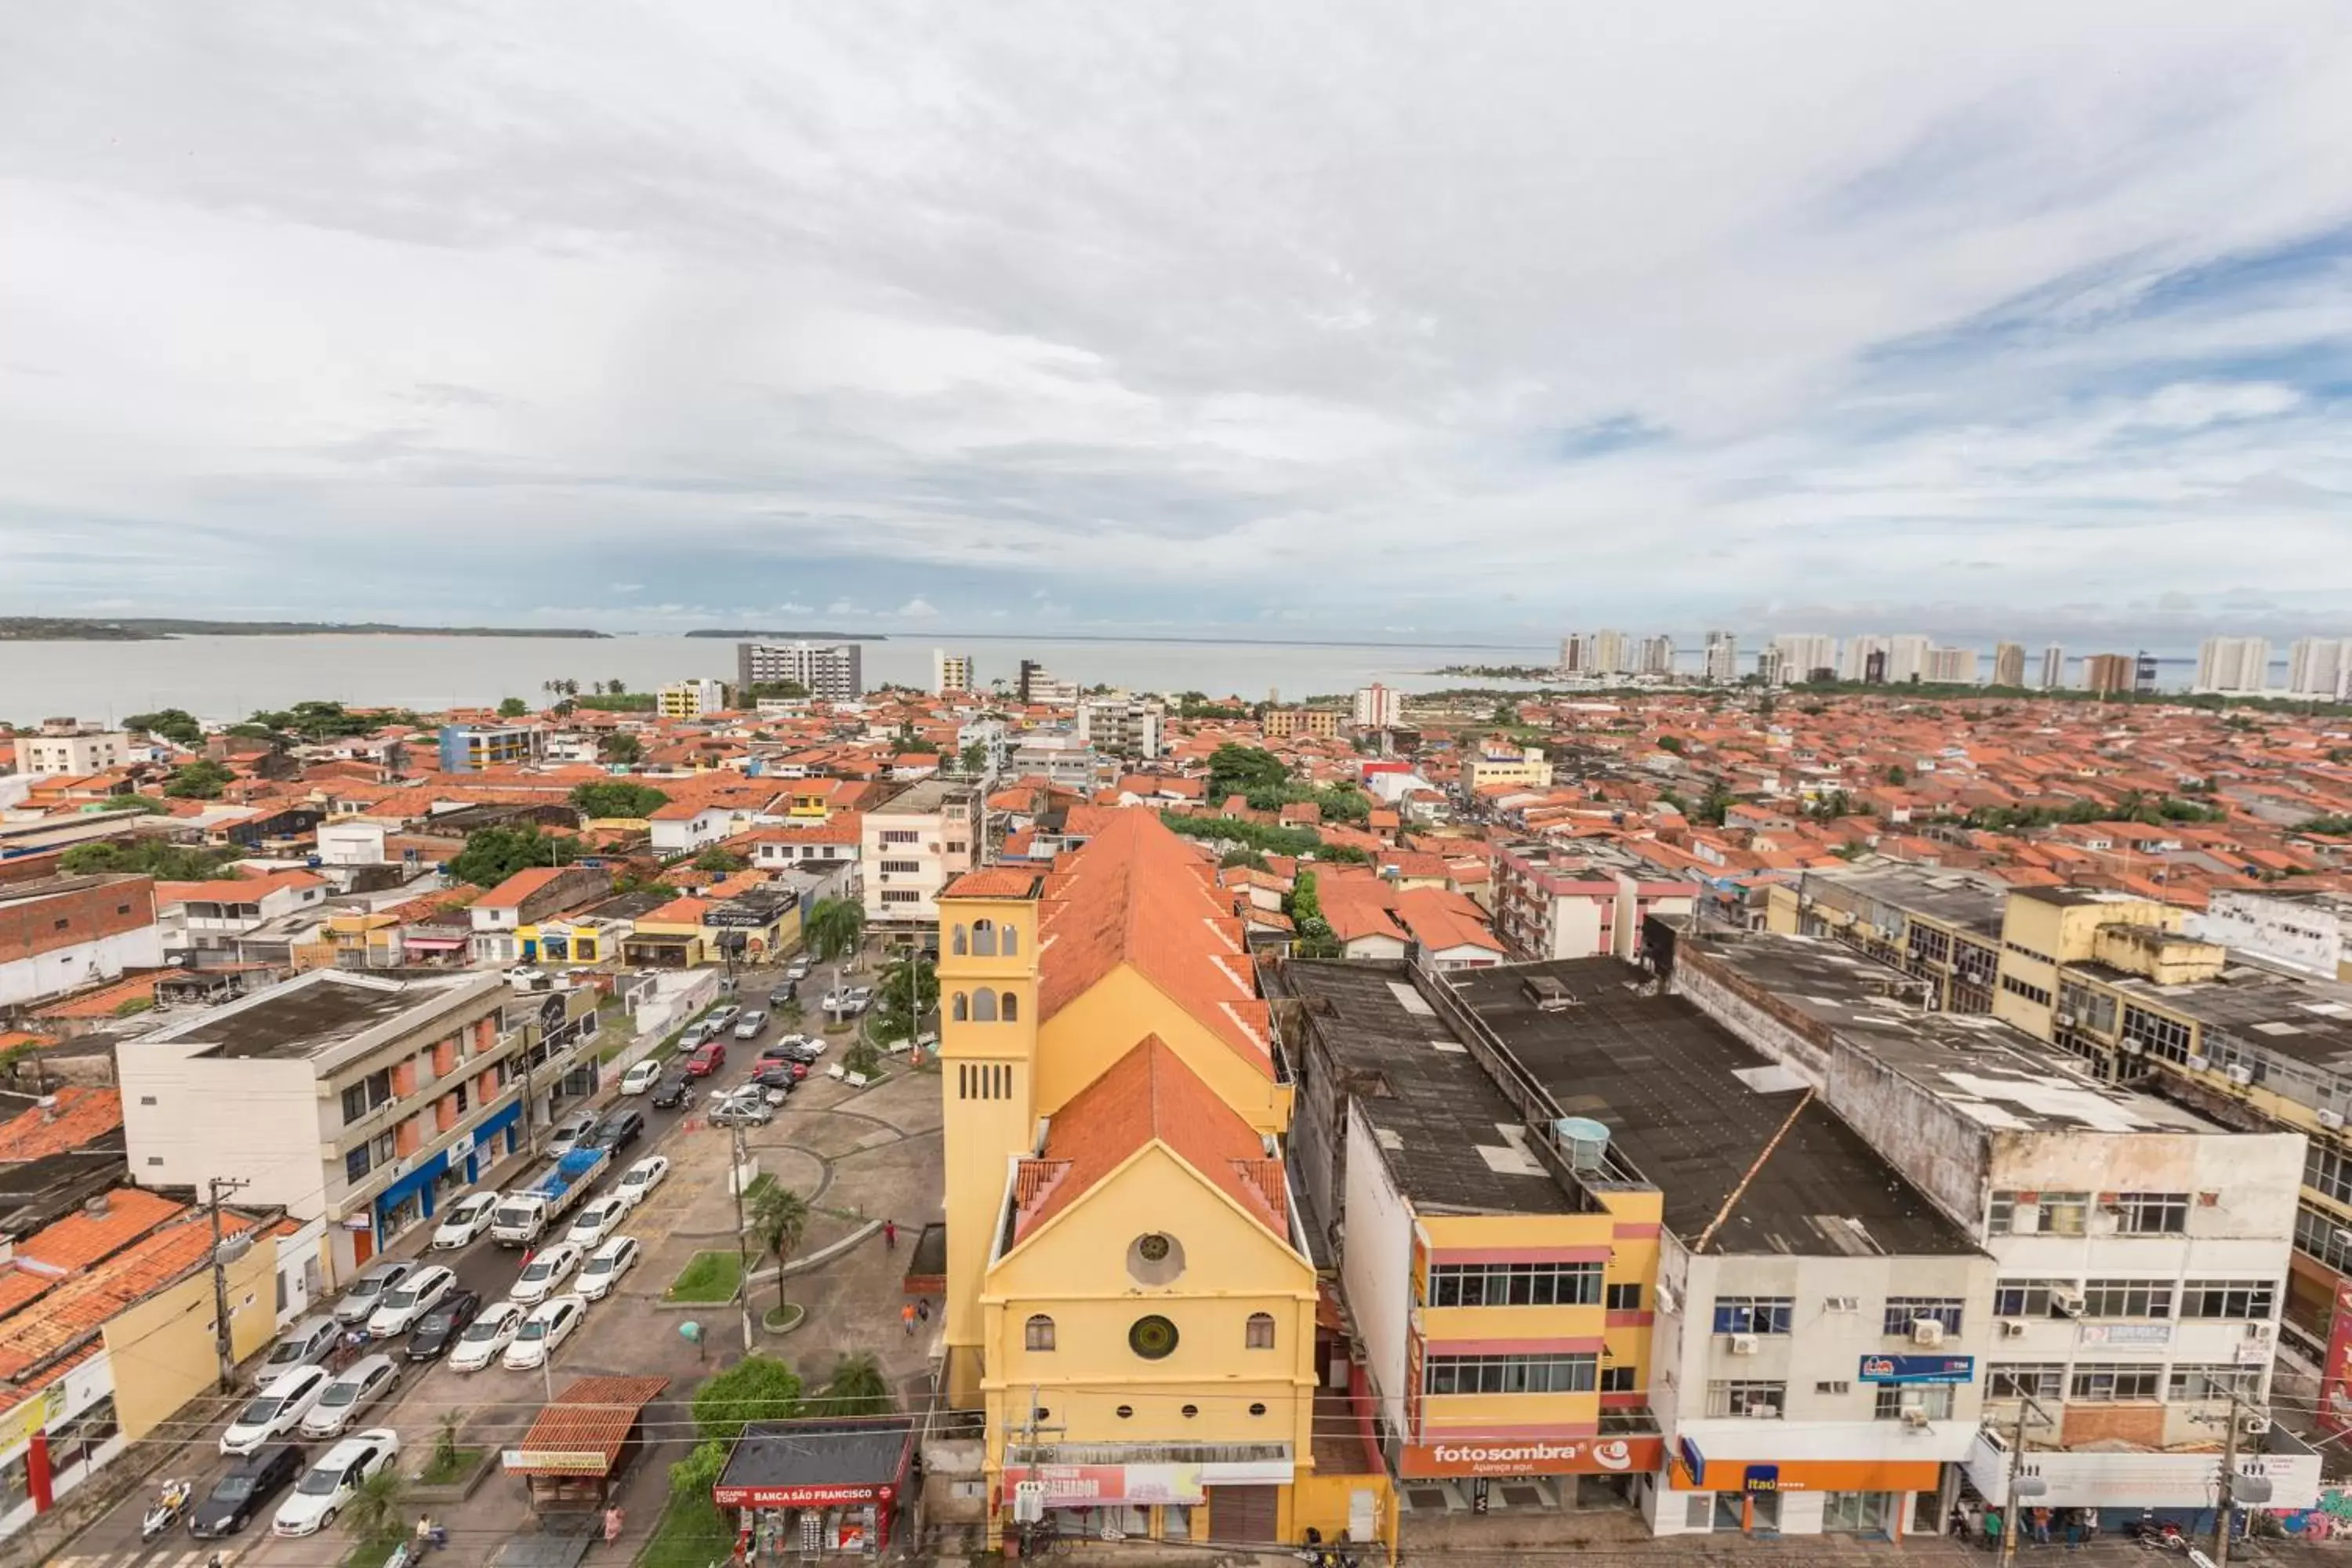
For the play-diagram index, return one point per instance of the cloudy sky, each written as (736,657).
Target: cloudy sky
(1355,318)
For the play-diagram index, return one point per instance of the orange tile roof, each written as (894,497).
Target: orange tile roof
(80,1305)
(510,894)
(995,882)
(1150,1095)
(80,1115)
(79,1240)
(103,1002)
(592,1414)
(1138,894)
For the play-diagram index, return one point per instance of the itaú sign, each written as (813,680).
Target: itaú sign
(1533,1457)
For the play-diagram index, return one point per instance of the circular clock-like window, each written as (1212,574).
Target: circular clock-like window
(1155,1259)
(1152,1338)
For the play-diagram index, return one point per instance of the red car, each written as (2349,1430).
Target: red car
(708,1059)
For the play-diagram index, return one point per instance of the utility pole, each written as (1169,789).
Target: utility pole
(2225,1503)
(2019,1484)
(742,1247)
(224,1346)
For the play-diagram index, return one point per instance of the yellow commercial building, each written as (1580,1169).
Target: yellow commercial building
(1129,1295)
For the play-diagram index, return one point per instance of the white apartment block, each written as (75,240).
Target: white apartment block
(2320,667)
(950,672)
(691,699)
(913,845)
(1118,725)
(2053,667)
(1802,653)
(1378,708)
(832,672)
(2139,1252)
(2234,665)
(1722,659)
(65,751)
(1952,666)
(359,1099)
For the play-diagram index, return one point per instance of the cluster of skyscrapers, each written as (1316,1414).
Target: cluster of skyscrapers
(1606,653)
(2316,667)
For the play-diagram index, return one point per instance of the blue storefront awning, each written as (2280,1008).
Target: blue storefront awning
(428,1169)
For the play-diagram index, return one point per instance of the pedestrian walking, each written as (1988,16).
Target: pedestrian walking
(906,1317)
(923,1308)
(1992,1527)
(2041,1525)
(890,1236)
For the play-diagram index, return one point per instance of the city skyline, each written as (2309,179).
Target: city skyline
(639,359)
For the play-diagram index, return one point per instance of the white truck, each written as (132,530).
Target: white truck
(525,1215)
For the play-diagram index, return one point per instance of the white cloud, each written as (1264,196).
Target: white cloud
(1182,304)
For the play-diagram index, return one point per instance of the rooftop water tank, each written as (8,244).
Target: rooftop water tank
(1585,1141)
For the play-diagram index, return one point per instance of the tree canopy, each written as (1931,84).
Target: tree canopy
(780,1221)
(151,856)
(200,780)
(170,724)
(857,1387)
(720,860)
(757,1388)
(493,854)
(512,708)
(317,720)
(624,749)
(833,929)
(618,797)
(1235,769)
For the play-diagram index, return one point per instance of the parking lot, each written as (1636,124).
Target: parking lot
(857,1155)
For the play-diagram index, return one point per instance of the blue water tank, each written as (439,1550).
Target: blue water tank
(1583,1140)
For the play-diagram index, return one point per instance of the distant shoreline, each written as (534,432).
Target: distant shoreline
(45,629)
(798,637)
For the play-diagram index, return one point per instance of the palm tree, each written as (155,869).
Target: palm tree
(374,1512)
(833,931)
(779,1218)
(857,1387)
(617,686)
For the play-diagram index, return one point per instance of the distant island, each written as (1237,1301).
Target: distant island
(802,637)
(44,628)
(1501,671)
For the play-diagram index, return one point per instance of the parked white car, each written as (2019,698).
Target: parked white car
(411,1300)
(605,1268)
(641,1078)
(355,1388)
(463,1221)
(546,1273)
(487,1335)
(276,1411)
(547,1327)
(598,1220)
(639,1180)
(327,1485)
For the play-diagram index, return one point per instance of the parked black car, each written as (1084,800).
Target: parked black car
(775,1075)
(616,1131)
(785,995)
(671,1090)
(439,1328)
(790,1051)
(238,1497)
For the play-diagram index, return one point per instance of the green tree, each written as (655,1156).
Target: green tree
(697,1475)
(789,690)
(513,708)
(720,860)
(1243,854)
(625,749)
(757,1388)
(493,854)
(150,856)
(145,803)
(834,929)
(199,780)
(315,720)
(1235,769)
(972,761)
(857,1387)
(169,723)
(1895,775)
(374,1512)
(1670,743)
(618,797)
(907,993)
(780,1221)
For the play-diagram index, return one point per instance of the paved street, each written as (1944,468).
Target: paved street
(857,1155)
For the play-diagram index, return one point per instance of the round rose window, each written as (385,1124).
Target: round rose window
(1153,1338)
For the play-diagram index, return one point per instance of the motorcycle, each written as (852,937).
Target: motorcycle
(2161,1534)
(1316,1554)
(167,1509)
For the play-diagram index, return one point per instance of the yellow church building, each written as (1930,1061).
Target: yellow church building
(1130,1296)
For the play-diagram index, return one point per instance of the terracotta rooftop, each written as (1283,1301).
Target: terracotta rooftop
(80,1115)
(995,882)
(1150,1095)
(593,1415)
(74,1243)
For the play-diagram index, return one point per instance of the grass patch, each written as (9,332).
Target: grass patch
(759,1183)
(708,1276)
(691,1534)
(461,1465)
(373,1552)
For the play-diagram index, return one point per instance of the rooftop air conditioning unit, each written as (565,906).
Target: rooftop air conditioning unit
(1761,1412)
(2065,1020)
(2258,1330)
(2241,1076)
(1926,1331)
(2013,1328)
(2254,1426)
(1743,1344)
(2198,1063)
(2331,1119)
(1914,1417)
(2342,1237)
(1843,1304)
(2068,1305)
(2134,1048)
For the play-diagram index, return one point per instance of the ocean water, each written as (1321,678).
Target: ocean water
(228,678)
